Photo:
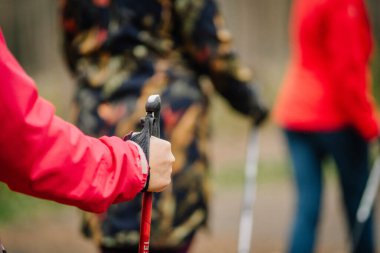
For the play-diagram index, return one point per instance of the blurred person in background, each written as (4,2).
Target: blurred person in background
(121,51)
(326,110)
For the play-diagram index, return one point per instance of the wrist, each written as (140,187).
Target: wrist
(143,164)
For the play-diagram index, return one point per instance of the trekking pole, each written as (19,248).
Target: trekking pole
(2,248)
(151,127)
(366,203)
(249,195)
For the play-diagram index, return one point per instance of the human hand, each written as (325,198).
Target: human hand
(259,115)
(257,109)
(161,160)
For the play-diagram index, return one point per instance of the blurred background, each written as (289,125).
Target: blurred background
(259,27)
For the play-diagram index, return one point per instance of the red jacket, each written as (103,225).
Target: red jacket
(327,83)
(44,156)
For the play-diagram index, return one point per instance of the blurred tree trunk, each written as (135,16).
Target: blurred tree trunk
(260,32)
(30,28)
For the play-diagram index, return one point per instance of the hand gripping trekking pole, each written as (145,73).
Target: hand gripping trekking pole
(151,127)
(246,218)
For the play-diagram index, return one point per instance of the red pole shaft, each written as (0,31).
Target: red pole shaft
(146,215)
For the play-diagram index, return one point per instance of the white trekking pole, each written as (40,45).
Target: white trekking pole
(249,196)
(366,203)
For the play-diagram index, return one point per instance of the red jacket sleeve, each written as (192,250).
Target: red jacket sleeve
(349,45)
(44,156)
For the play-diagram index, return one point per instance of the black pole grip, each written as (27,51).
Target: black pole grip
(153,106)
(151,124)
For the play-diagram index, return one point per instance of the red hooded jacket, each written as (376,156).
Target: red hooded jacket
(44,156)
(327,83)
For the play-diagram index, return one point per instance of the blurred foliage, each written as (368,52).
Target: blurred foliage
(232,176)
(15,205)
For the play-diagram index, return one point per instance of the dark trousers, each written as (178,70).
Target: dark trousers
(350,153)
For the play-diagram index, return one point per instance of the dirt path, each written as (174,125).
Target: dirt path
(57,231)
(271,221)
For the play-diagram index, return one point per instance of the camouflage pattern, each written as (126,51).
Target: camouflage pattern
(122,51)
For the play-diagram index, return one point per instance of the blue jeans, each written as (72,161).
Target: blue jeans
(350,153)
